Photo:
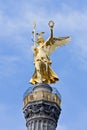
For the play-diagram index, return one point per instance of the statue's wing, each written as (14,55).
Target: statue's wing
(52,43)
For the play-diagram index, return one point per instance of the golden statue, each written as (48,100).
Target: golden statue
(42,49)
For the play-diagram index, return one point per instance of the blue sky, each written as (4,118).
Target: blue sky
(69,62)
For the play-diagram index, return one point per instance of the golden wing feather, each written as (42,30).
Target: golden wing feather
(52,43)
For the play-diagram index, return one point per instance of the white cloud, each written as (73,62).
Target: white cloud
(68,21)
(7,66)
(66,17)
(80,49)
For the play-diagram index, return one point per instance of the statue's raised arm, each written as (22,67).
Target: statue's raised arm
(43,72)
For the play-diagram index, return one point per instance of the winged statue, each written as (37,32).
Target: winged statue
(42,50)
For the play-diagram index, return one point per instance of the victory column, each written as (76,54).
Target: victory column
(42,103)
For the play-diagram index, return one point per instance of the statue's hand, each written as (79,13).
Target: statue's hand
(35,50)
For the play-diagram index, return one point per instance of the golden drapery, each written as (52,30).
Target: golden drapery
(47,76)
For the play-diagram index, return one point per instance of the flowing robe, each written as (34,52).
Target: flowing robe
(43,71)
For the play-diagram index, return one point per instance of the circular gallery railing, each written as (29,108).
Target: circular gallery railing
(30,90)
(31,95)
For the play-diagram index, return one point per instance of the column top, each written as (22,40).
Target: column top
(42,87)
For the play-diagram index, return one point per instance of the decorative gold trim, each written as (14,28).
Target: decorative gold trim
(47,96)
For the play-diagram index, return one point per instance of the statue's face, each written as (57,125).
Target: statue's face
(40,40)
